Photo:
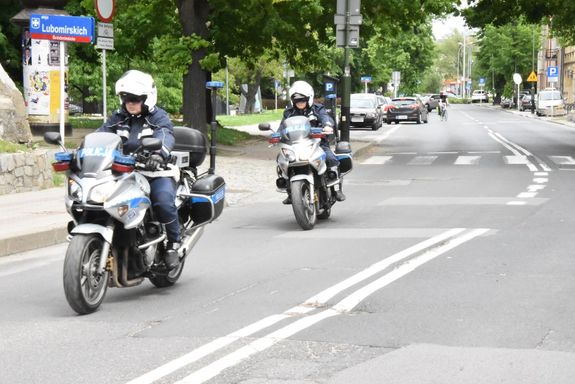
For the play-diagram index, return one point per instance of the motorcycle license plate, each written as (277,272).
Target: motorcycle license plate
(357,119)
(402,117)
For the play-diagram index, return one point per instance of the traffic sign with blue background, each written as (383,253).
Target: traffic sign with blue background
(77,29)
(481,81)
(366,79)
(329,87)
(552,71)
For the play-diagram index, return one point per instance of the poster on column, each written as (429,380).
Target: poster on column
(41,64)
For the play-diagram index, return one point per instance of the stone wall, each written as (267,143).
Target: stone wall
(22,172)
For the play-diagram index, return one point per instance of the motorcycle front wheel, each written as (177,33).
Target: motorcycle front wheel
(302,204)
(84,288)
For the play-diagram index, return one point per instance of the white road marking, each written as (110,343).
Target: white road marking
(517,203)
(377,160)
(540,180)
(541,174)
(444,241)
(483,152)
(526,195)
(467,160)
(535,188)
(346,305)
(563,160)
(516,160)
(422,160)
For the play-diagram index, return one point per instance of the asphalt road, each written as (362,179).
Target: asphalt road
(450,262)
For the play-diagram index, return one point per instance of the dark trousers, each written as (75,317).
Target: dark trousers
(330,159)
(163,196)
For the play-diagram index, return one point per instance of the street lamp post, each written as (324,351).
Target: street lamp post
(464,77)
(458,78)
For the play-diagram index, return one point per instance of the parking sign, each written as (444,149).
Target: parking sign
(553,73)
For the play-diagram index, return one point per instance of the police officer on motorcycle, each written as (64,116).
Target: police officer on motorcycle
(301,95)
(137,118)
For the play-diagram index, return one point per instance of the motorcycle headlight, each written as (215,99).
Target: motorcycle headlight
(75,190)
(288,154)
(100,193)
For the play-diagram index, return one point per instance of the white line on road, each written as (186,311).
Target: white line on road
(467,160)
(376,160)
(441,241)
(422,160)
(386,134)
(346,305)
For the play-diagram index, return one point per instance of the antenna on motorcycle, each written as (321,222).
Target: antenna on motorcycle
(213,87)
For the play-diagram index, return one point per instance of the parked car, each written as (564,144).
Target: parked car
(385,104)
(75,109)
(432,102)
(506,102)
(365,111)
(525,102)
(549,102)
(407,109)
(479,96)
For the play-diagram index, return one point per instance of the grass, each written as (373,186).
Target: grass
(83,122)
(8,147)
(256,118)
(58,179)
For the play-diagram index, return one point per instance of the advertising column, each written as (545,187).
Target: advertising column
(41,67)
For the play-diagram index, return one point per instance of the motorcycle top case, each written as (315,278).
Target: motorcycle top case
(190,148)
(207,200)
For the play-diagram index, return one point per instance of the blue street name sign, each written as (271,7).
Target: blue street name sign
(77,29)
(552,71)
(481,81)
(366,79)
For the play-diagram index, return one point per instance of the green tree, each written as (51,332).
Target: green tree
(559,13)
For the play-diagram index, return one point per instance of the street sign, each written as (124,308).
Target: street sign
(77,29)
(329,87)
(106,43)
(517,78)
(532,77)
(105,10)
(366,79)
(352,36)
(553,73)
(482,81)
(105,30)
(353,5)
(396,78)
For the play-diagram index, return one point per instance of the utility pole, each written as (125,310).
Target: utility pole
(464,65)
(347,21)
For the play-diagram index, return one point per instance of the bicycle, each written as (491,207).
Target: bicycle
(443,111)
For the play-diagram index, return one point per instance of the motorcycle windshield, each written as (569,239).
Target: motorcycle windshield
(96,154)
(295,129)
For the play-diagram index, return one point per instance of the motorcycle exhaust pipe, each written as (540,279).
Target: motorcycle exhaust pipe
(190,240)
(155,241)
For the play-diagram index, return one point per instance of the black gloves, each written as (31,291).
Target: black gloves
(154,162)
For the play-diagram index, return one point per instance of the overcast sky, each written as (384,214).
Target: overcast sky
(445,27)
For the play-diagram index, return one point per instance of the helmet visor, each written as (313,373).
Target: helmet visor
(130,98)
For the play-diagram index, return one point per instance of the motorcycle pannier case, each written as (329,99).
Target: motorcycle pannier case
(207,199)
(343,154)
(190,148)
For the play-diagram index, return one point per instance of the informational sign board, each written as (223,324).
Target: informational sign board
(77,29)
(553,74)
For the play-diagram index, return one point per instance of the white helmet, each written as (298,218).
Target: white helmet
(300,90)
(139,84)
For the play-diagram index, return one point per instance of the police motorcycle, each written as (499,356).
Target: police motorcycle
(302,169)
(114,238)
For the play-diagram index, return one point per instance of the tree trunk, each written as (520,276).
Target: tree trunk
(251,93)
(194,17)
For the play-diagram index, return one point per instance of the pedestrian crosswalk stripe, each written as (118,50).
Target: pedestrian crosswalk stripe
(514,160)
(563,160)
(422,160)
(467,160)
(377,160)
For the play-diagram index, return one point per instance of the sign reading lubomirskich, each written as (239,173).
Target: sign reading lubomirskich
(77,29)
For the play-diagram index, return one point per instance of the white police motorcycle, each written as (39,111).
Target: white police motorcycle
(115,240)
(302,170)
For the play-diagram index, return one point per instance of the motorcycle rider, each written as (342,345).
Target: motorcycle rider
(301,95)
(137,118)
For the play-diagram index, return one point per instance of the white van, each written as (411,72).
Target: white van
(549,102)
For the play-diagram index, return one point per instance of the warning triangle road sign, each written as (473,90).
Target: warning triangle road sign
(532,77)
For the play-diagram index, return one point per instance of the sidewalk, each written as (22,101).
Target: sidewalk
(33,220)
(563,120)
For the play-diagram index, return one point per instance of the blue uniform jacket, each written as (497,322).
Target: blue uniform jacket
(322,118)
(133,129)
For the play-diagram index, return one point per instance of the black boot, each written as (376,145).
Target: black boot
(172,258)
(287,200)
(339,196)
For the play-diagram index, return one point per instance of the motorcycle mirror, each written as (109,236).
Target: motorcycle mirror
(53,138)
(151,143)
(264,126)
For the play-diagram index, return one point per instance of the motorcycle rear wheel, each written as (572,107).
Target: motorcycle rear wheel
(303,205)
(84,289)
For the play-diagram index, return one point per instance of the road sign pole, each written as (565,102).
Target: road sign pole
(62,88)
(104,101)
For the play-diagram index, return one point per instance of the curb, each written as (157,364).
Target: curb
(32,241)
